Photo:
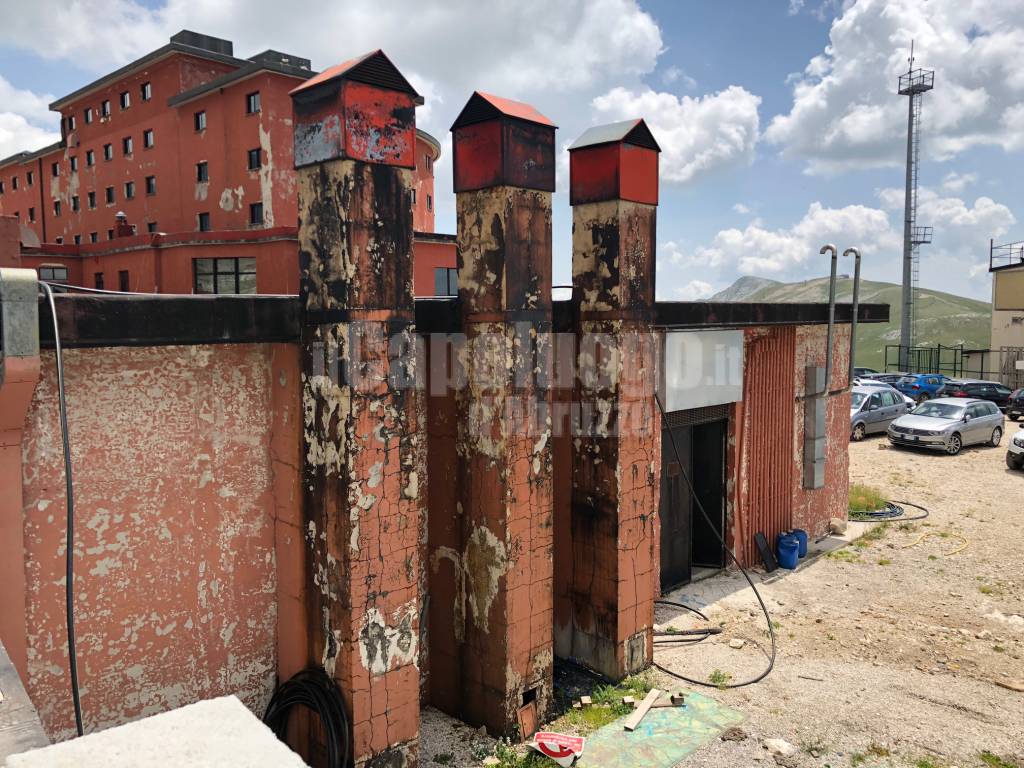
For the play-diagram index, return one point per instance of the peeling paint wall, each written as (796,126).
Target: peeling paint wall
(177,493)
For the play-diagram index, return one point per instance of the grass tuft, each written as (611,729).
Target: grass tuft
(988,758)
(864,498)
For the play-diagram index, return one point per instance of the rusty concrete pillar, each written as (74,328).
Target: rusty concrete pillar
(363,445)
(504,174)
(616,454)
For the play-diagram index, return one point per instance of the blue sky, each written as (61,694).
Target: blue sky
(779,121)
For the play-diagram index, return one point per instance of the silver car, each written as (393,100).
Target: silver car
(873,408)
(948,424)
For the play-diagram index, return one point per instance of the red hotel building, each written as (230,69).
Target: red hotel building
(194,147)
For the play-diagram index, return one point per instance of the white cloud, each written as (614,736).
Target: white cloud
(696,135)
(957,182)
(675,74)
(25,121)
(695,290)
(741,209)
(846,112)
(795,6)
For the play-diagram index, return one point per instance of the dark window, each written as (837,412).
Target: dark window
(127,145)
(97,280)
(255,159)
(60,241)
(126,100)
(88,115)
(129,190)
(204,222)
(90,157)
(200,120)
(224,275)
(445,281)
(122,280)
(29,178)
(109,194)
(151,185)
(75,205)
(256,213)
(1,187)
(74,163)
(110,234)
(92,199)
(105,108)
(94,237)
(55,168)
(151,226)
(252,102)
(31,214)
(71,122)
(56,207)
(430,203)
(78,239)
(147,91)
(14,182)
(147,138)
(108,151)
(202,172)
(54,274)
(428,161)
(414,197)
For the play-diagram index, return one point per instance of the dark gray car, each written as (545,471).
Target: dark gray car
(948,424)
(873,408)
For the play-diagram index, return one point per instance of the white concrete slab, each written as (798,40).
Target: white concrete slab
(208,734)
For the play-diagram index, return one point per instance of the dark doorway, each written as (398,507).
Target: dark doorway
(687,539)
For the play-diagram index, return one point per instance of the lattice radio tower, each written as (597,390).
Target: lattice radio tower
(913,84)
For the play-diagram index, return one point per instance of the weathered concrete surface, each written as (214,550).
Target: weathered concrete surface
(504,566)
(364,451)
(616,459)
(176,497)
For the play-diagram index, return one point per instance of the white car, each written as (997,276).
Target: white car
(1015,452)
(868,382)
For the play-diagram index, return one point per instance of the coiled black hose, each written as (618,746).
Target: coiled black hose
(314,689)
(764,608)
(893,510)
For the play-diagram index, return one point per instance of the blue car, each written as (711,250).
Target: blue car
(921,386)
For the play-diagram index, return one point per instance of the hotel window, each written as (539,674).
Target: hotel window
(110,234)
(430,203)
(90,157)
(74,163)
(97,280)
(31,214)
(1,187)
(30,177)
(224,275)
(255,159)
(105,108)
(56,207)
(204,222)
(55,168)
(129,190)
(127,145)
(252,103)
(94,237)
(147,91)
(59,240)
(202,172)
(123,280)
(151,226)
(88,115)
(126,100)
(200,120)
(71,122)
(75,204)
(108,151)
(78,239)
(14,182)
(428,162)
(413,197)
(445,283)
(54,274)
(147,138)
(256,213)
(92,199)
(109,194)
(151,185)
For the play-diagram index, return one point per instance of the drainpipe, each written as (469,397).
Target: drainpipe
(856,301)
(829,248)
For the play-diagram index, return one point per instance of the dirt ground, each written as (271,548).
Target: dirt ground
(889,650)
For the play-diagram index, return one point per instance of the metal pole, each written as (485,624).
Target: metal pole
(831,313)
(908,255)
(856,303)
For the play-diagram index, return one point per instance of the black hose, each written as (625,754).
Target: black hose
(70,494)
(764,608)
(315,690)
(893,510)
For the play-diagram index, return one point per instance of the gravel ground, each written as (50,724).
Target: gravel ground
(888,652)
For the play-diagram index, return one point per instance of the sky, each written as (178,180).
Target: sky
(779,121)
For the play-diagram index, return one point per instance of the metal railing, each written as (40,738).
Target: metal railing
(1006,255)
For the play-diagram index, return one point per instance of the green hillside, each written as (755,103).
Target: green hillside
(942,318)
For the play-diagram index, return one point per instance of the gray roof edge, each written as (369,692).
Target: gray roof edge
(604,134)
(249,69)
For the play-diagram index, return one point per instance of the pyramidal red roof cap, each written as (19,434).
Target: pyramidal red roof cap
(373,68)
(485,106)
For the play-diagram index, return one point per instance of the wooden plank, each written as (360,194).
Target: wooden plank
(634,719)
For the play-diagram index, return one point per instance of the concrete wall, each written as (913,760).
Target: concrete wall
(189,549)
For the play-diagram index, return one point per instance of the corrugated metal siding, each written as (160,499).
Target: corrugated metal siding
(768,392)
